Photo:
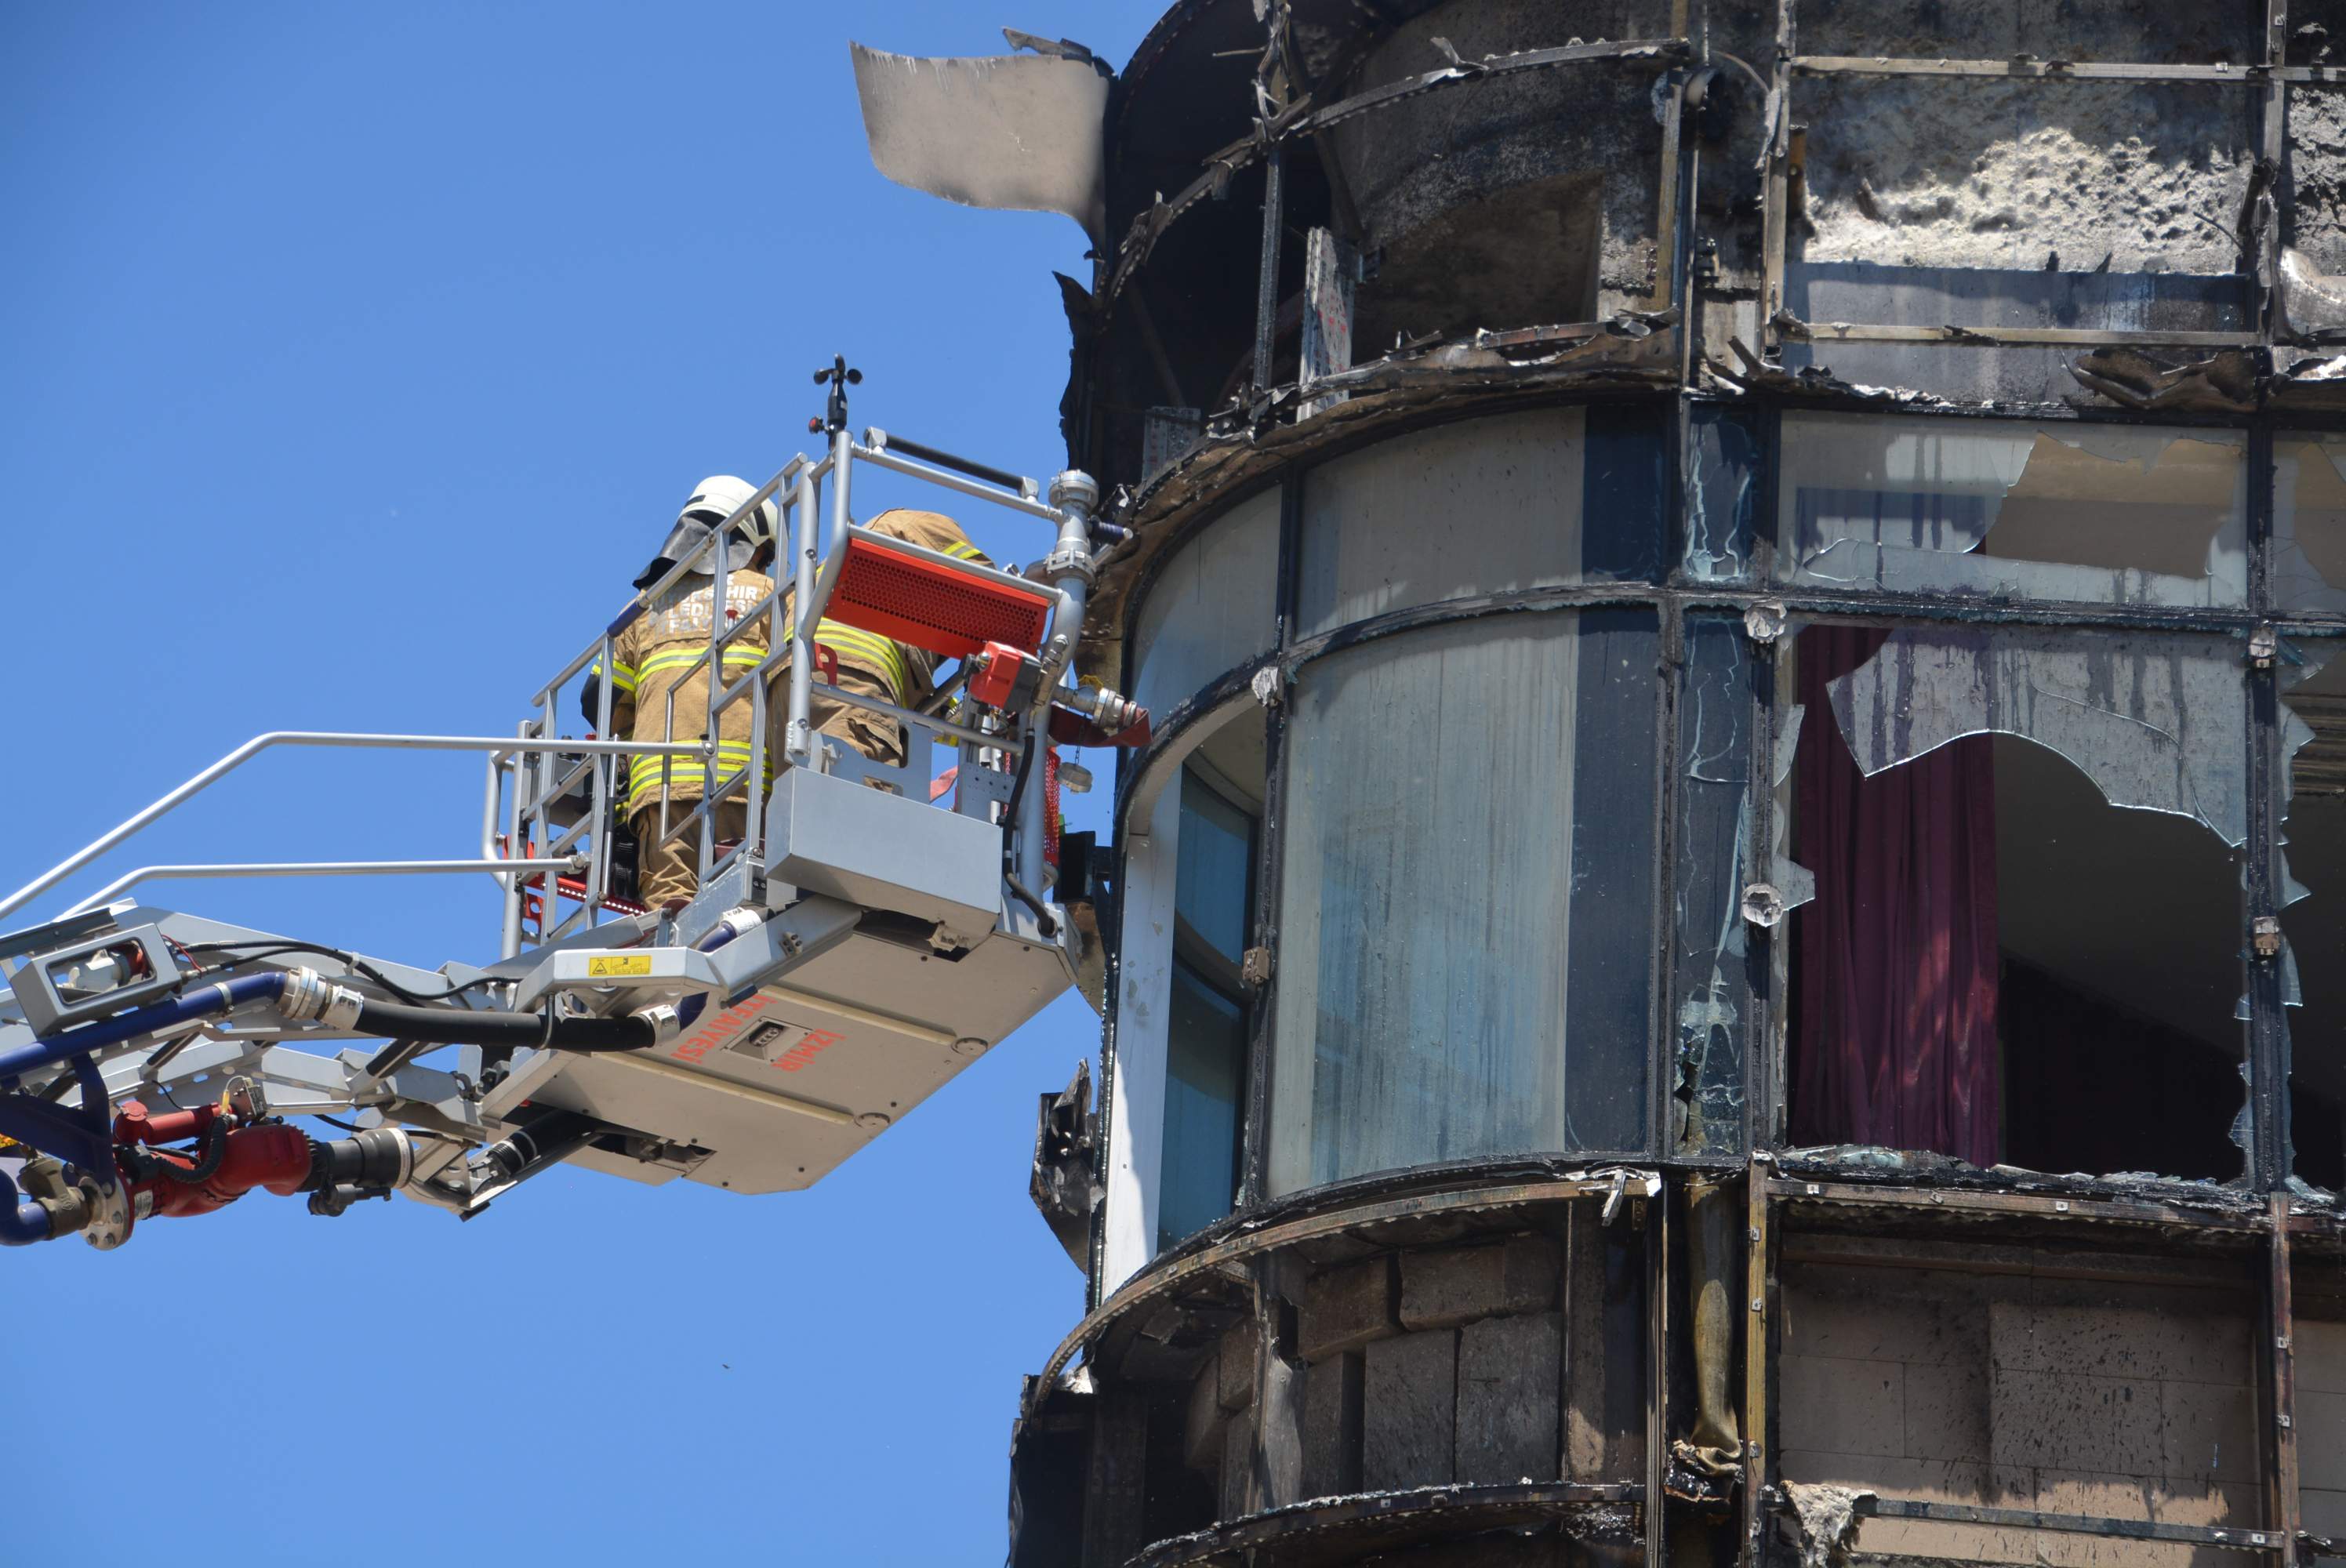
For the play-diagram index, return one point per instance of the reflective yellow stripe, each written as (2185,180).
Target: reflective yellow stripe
(678,658)
(644,772)
(867,648)
(964,551)
(623,676)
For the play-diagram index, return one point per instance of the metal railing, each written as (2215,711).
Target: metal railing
(530,774)
(496,748)
(530,785)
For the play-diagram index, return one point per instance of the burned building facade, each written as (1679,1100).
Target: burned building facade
(1727,949)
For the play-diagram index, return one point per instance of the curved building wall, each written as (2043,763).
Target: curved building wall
(1751,776)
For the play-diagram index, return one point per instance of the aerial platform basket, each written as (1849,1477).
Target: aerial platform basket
(852,951)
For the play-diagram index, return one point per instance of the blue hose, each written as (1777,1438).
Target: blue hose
(22,1221)
(202,1001)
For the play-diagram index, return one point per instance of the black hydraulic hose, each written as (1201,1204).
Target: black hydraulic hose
(1043,920)
(521,1031)
(452,1025)
(215,1148)
(628,1033)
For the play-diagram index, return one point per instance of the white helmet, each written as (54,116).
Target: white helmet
(720,496)
(713,500)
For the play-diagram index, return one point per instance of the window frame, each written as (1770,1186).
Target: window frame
(1675,593)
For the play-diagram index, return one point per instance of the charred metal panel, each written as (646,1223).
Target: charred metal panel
(1061,1182)
(2023,1380)
(1020,131)
(1409,1410)
(1509,1374)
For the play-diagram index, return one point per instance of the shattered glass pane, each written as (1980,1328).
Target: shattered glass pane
(2158,723)
(2078,513)
(2309,549)
(1722,493)
(1465,951)
(1712,994)
(2312,914)
(2027,942)
(1795,884)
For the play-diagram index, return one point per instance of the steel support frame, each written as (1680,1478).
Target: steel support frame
(2270,74)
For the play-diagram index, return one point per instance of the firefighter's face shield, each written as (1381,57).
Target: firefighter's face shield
(690,533)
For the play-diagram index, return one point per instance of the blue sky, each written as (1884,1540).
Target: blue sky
(353,358)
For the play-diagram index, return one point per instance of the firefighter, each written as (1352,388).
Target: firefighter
(663,642)
(869,664)
(650,661)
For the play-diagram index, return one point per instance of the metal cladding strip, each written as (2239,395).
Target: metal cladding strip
(1210,1259)
(2022,68)
(2218,1535)
(2284,1470)
(836,1117)
(1459,1507)
(1799,330)
(2015,1203)
(1759,1359)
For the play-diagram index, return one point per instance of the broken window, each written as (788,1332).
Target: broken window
(1712,996)
(2024,942)
(1206,1033)
(2096,513)
(1501,206)
(2313,913)
(1210,608)
(1722,493)
(2309,547)
(1986,300)
(1487,506)
(1465,925)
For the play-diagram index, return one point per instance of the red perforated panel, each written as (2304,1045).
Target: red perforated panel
(933,606)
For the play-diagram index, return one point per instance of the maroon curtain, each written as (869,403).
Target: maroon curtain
(1895,1016)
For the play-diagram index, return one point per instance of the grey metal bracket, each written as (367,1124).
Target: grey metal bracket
(782,942)
(670,971)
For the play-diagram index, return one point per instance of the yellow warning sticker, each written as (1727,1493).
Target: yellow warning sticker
(620,963)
